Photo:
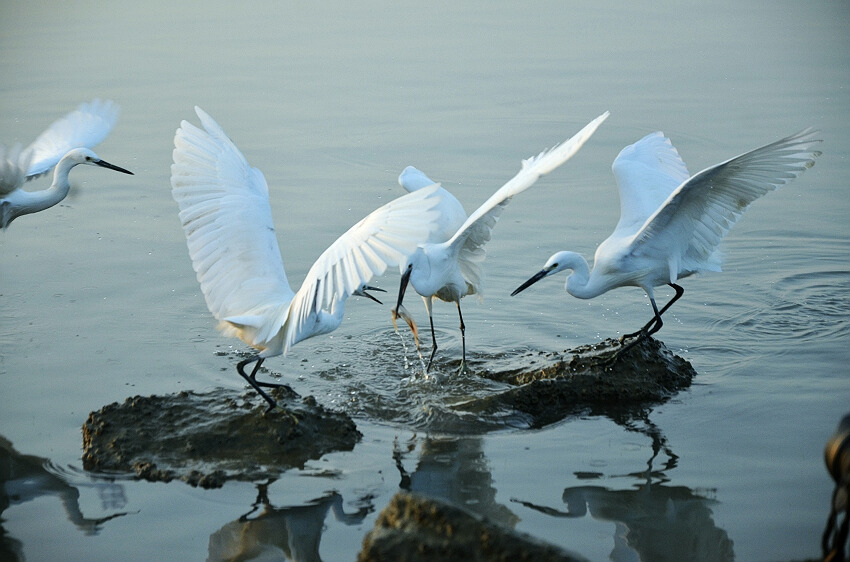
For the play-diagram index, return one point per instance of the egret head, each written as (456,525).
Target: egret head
(417,262)
(361,292)
(86,156)
(558,262)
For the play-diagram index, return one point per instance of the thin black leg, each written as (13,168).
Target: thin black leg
(240,368)
(651,327)
(433,341)
(462,333)
(265,384)
(655,324)
(679,292)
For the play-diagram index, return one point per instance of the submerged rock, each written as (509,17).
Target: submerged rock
(207,439)
(414,528)
(551,386)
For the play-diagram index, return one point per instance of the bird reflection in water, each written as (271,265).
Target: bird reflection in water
(290,533)
(25,478)
(453,469)
(654,521)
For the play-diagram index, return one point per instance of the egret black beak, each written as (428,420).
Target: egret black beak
(105,164)
(363,293)
(405,279)
(400,311)
(534,279)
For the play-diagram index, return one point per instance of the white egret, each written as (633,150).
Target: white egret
(82,128)
(448,266)
(225,212)
(671,223)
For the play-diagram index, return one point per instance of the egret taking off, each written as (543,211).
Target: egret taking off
(225,212)
(64,145)
(671,223)
(448,265)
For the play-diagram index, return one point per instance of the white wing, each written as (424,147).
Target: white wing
(476,231)
(647,172)
(690,225)
(386,237)
(86,127)
(224,208)
(12,169)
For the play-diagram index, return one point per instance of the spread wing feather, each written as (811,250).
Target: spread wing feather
(470,239)
(86,126)
(225,213)
(693,220)
(384,238)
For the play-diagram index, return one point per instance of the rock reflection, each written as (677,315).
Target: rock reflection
(654,520)
(453,469)
(25,478)
(290,533)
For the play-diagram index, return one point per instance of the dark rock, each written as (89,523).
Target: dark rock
(207,439)
(413,528)
(552,386)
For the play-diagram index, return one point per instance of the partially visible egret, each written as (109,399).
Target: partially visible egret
(448,266)
(63,143)
(671,223)
(225,212)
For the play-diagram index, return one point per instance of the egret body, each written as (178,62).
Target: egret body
(448,266)
(63,145)
(225,212)
(671,223)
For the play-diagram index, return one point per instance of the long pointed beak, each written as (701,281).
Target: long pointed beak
(363,293)
(105,164)
(400,311)
(534,279)
(405,279)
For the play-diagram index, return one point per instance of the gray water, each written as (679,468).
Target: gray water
(98,300)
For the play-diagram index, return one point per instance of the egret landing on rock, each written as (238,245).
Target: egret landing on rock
(225,212)
(671,223)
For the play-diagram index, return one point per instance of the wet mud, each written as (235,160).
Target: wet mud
(414,528)
(548,387)
(208,439)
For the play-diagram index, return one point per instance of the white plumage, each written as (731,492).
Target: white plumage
(84,128)
(449,266)
(224,209)
(671,224)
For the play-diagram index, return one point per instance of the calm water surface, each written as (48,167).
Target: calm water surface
(98,300)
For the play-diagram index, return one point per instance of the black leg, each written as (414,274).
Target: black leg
(652,326)
(265,384)
(655,324)
(462,334)
(240,368)
(433,340)
(679,292)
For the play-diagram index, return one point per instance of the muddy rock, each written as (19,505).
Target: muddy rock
(413,528)
(207,439)
(551,386)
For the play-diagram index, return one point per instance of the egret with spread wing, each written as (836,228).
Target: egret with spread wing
(65,144)
(449,265)
(225,212)
(671,223)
